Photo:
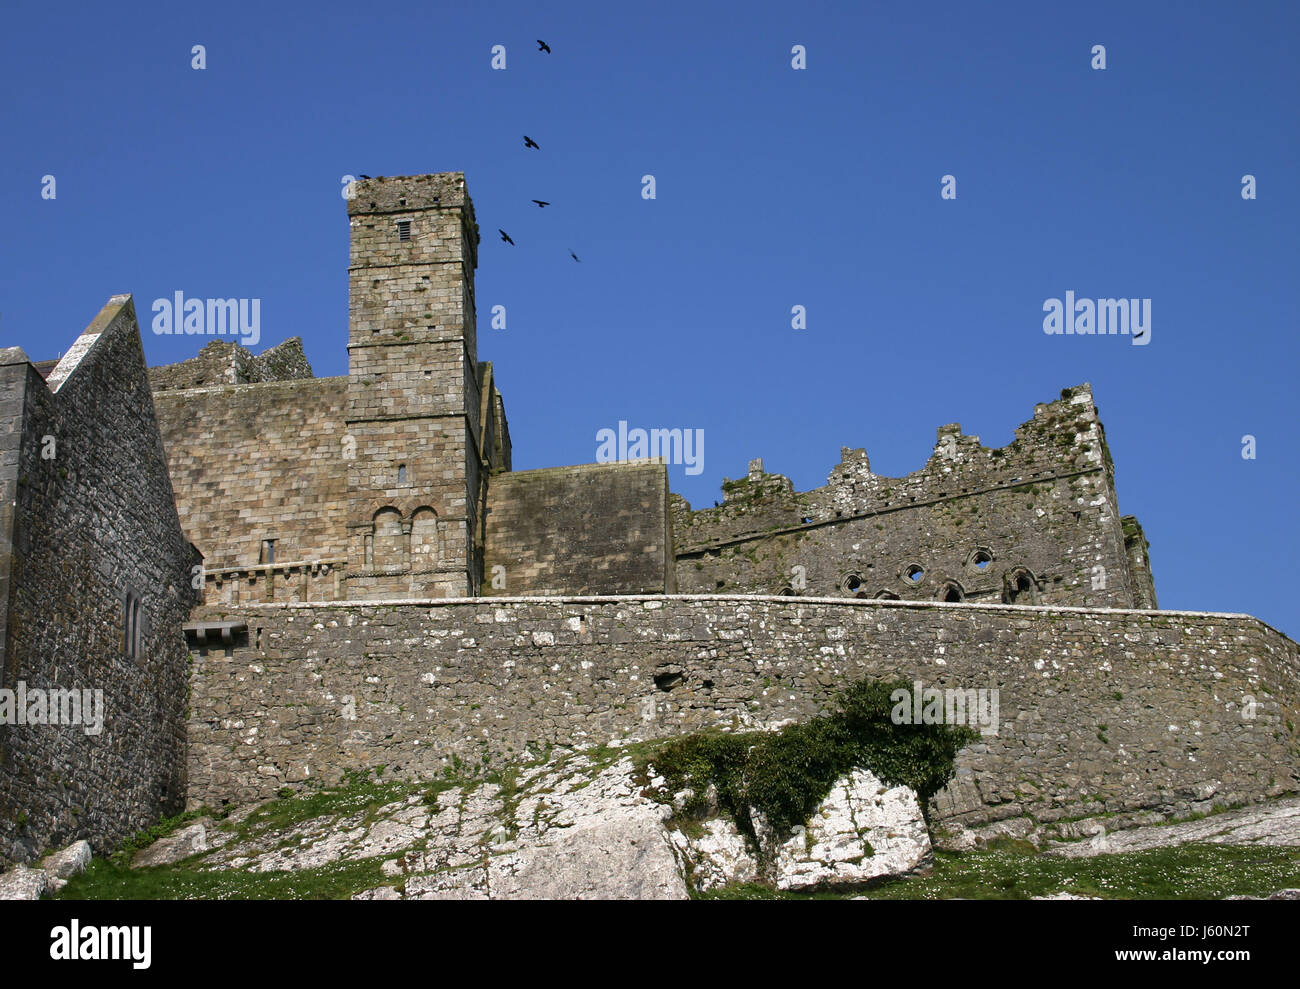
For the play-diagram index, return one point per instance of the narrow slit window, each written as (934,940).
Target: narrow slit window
(131,630)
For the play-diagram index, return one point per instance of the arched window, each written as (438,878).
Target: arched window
(1019,587)
(425,551)
(952,592)
(388,539)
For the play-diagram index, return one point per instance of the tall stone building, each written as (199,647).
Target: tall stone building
(396,482)
(312,499)
(95,584)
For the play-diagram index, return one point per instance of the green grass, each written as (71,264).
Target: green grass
(107,880)
(1191,872)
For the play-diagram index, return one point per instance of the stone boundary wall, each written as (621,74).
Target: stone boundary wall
(1100,711)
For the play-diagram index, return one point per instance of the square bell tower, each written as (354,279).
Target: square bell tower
(415,474)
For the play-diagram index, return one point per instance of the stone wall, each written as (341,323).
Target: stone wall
(1101,711)
(92,525)
(259,461)
(1033,522)
(594,529)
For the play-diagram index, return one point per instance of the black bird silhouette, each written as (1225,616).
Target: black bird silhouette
(530,143)
(365,176)
(542,46)
(505,236)
(541,204)
(575,257)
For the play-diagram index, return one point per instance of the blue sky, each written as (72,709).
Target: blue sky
(775,188)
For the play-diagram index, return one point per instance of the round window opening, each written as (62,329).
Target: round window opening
(981,559)
(852,583)
(914,573)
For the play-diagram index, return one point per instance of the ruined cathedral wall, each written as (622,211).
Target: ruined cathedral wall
(1099,711)
(973,518)
(224,362)
(92,522)
(259,461)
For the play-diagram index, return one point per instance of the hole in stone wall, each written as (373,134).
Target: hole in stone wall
(887,596)
(951,593)
(1019,587)
(981,560)
(708,684)
(667,681)
(852,583)
(914,573)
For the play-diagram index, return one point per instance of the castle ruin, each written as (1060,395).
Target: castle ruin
(379,586)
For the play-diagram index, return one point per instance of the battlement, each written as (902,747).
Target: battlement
(398,193)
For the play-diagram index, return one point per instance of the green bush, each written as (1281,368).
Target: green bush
(786,774)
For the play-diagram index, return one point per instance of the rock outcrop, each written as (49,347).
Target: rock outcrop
(581,826)
(863,831)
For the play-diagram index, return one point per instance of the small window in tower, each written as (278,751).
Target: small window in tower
(131,630)
(268,550)
(401,473)
(403,229)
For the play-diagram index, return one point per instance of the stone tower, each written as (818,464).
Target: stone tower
(416,475)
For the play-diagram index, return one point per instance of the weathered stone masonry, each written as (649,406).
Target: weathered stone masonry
(1100,710)
(87,520)
(1034,522)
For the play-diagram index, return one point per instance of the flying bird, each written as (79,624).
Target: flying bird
(505,236)
(575,257)
(542,46)
(541,204)
(530,143)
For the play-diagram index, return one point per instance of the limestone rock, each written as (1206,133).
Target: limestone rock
(1064,896)
(603,840)
(190,840)
(1275,823)
(23,883)
(72,861)
(718,856)
(862,831)
(378,893)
